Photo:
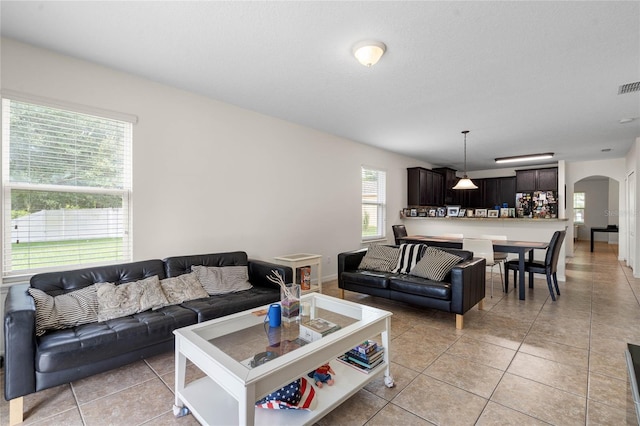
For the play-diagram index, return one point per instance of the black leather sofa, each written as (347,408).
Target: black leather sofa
(462,288)
(62,356)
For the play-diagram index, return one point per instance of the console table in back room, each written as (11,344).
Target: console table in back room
(609,228)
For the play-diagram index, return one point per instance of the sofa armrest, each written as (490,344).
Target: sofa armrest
(19,342)
(349,261)
(259,271)
(468,280)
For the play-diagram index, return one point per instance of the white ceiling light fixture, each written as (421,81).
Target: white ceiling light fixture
(369,52)
(528,157)
(465,182)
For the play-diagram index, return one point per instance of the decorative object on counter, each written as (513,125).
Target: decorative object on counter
(442,212)
(452,211)
(470,212)
(465,182)
(414,213)
(432,212)
(481,213)
(462,213)
(289,298)
(512,212)
(492,213)
(504,212)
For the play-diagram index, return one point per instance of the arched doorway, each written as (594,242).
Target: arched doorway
(596,204)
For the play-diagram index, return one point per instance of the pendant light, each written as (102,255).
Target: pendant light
(465,182)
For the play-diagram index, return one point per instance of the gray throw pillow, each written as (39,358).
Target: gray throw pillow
(182,288)
(380,258)
(222,280)
(115,301)
(65,310)
(435,264)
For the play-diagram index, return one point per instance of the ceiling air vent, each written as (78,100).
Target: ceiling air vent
(629,88)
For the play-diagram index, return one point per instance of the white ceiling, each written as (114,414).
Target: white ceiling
(523,77)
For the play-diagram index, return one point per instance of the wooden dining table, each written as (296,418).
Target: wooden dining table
(504,246)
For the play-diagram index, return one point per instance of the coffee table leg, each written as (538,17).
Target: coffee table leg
(179,409)
(388,378)
(247,406)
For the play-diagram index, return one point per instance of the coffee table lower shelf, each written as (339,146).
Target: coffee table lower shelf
(212,405)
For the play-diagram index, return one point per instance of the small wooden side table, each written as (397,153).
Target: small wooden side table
(298,260)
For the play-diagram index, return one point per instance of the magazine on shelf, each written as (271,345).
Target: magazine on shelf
(317,328)
(346,360)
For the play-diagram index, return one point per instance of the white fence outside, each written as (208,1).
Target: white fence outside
(58,225)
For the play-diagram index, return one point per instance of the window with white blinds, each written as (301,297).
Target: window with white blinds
(374,184)
(66,180)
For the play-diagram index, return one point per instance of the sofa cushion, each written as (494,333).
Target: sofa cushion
(115,301)
(182,288)
(410,254)
(222,280)
(380,258)
(74,347)
(435,264)
(65,310)
(367,278)
(421,287)
(221,305)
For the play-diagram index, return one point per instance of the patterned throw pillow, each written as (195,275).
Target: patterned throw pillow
(115,301)
(410,254)
(435,264)
(182,288)
(65,310)
(223,280)
(380,258)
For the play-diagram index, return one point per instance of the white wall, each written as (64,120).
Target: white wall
(614,169)
(211,177)
(600,210)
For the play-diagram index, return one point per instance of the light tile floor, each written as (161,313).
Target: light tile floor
(517,362)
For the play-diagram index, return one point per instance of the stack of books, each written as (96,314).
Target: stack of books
(315,329)
(364,357)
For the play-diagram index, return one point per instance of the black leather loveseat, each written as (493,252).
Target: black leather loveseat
(462,288)
(34,363)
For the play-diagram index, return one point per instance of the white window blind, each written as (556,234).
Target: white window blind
(66,180)
(374,184)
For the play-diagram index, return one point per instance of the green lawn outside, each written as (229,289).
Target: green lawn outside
(57,253)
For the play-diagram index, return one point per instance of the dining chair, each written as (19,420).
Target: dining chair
(482,247)
(498,256)
(549,266)
(399,231)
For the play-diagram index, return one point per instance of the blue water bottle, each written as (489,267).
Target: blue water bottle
(274,315)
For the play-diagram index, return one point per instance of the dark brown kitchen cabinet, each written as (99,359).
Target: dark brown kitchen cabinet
(451,196)
(537,180)
(498,191)
(424,187)
(474,198)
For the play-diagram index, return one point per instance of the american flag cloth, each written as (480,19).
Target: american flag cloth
(297,395)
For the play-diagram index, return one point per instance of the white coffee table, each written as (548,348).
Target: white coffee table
(222,348)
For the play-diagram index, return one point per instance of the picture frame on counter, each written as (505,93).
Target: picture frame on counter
(414,213)
(469,212)
(481,213)
(462,213)
(432,212)
(504,212)
(452,211)
(442,212)
(492,213)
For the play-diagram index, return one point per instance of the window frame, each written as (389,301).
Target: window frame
(583,208)
(380,202)
(124,250)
